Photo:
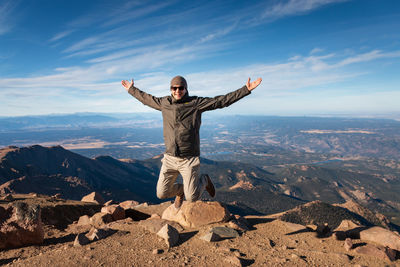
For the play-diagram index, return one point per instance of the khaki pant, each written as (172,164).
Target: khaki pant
(193,183)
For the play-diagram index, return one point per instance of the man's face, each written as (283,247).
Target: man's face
(178,91)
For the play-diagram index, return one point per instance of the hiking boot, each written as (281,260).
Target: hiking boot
(178,201)
(210,186)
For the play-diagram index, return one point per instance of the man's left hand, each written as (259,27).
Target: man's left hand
(253,85)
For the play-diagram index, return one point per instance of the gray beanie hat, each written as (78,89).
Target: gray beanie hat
(179,80)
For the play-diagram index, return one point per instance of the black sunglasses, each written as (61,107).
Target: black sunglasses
(181,88)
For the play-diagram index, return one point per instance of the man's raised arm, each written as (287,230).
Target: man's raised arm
(145,98)
(211,103)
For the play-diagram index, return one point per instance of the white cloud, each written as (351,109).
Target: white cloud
(61,35)
(83,88)
(294,7)
(8,16)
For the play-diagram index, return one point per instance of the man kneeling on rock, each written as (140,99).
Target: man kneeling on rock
(181,124)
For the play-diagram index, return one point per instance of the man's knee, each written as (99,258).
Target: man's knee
(162,194)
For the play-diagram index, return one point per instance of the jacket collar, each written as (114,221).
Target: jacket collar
(184,99)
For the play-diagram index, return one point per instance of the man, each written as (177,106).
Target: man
(181,124)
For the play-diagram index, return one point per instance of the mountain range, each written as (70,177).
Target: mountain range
(244,187)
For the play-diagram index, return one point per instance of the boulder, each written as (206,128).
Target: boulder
(20,225)
(381,252)
(170,235)
(100,219)
(381,236)
(196,214)
(128,204)
(116,212)
(93,197)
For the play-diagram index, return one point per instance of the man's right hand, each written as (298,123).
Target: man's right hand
(127,84)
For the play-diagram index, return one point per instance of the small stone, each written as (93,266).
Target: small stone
(233,260)
(270,243)
(57,196)
(128,204)
(100,219)
(294,227)
(295,256)
(347,225)
(101,233)
(312,227)
(93,197)
(225,232)
(170,235)
(225,249)
(81,240)
(323,230)
(210,237)
(116,212)
(339,235)
(7,197)
(157,251)
(110,202)
(237,253)
(348,244)
(84,220)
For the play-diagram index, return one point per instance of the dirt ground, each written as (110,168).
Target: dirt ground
(270,242)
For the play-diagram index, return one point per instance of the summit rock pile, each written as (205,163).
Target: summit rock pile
(199,234)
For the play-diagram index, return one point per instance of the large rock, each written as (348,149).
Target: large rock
(100,219)
(377,251)
(195,214)
(94,197)
(20,225)
(116,212)
(381,236)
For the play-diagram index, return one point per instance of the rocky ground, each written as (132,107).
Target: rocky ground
(268,242)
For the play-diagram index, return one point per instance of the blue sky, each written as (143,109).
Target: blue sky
(315,56)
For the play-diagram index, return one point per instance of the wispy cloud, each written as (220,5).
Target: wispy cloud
(294,7)
(100,82)
(288,8)
(61,35)
(8,15)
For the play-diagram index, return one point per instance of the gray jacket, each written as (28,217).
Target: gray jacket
(182,118)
